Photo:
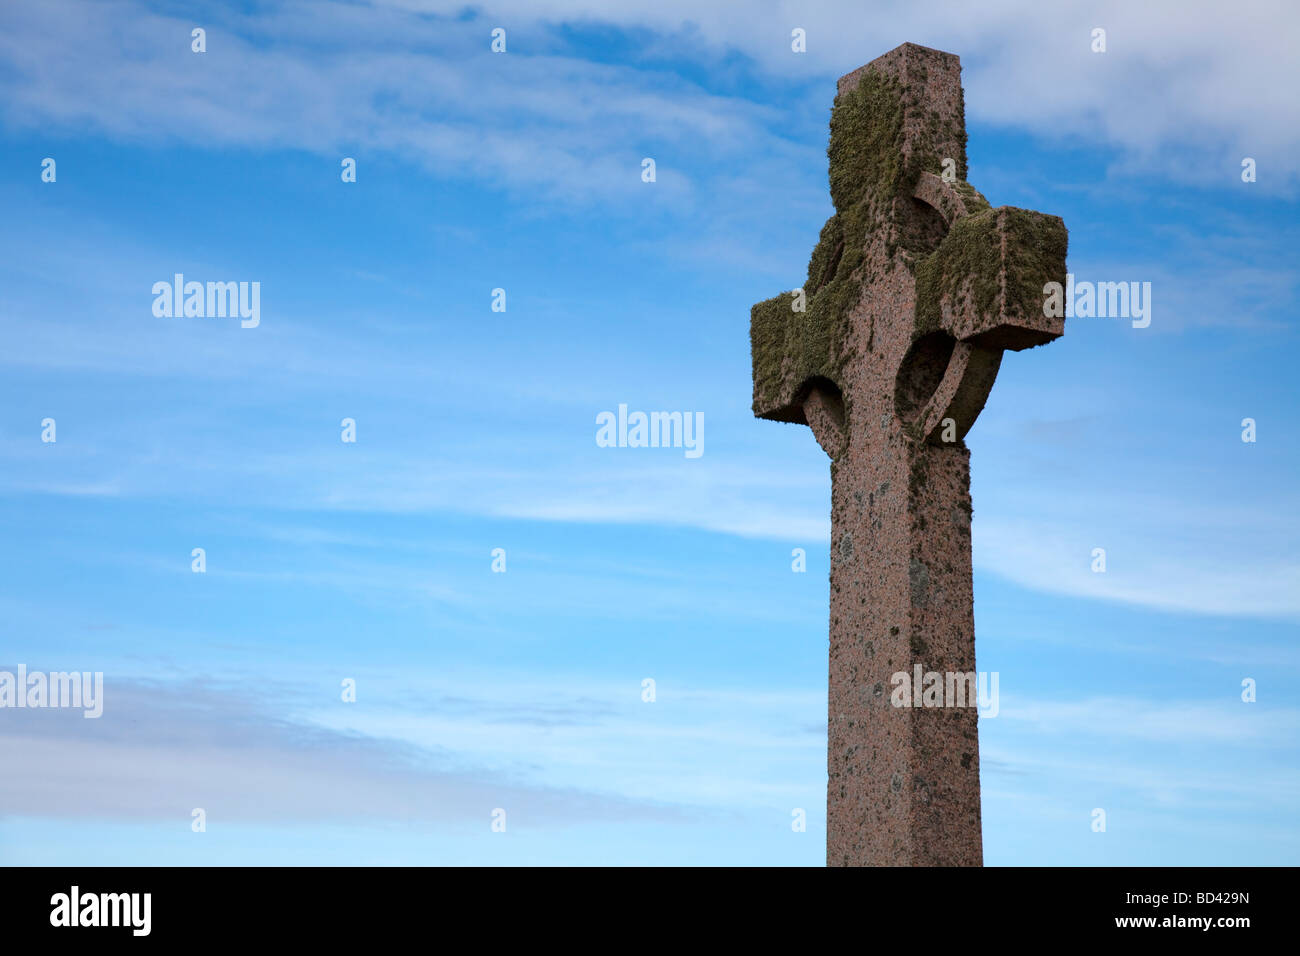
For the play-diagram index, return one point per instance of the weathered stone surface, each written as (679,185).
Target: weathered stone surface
(914,290)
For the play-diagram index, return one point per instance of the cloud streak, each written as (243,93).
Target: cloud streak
(1169,95)
(162,749)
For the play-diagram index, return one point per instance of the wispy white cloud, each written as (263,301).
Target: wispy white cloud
(1195,722)
(160,750)
(304,78)
(411,750)
(1173,95)
(1047,555)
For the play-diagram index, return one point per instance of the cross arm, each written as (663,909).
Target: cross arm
(790,350)
(984,283)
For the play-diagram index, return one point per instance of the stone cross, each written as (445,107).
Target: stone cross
(888,352)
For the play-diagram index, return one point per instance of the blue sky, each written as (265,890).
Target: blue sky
(476,430)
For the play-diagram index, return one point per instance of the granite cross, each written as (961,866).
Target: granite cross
(888,352)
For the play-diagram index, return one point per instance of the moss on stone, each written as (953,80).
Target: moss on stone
(966,268)
(869,172)
(866,172)
(972,251)
(1036,257)
(866,147)
(960,135)
(917,477)
(972,197)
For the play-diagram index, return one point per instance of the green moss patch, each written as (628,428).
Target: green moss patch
(866,171)
(971,251)
(1034,258)
(1035,254)
(869,173)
